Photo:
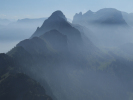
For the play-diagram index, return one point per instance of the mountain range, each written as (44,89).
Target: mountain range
(66,61)
(107,16)
(11,32)
(108,27)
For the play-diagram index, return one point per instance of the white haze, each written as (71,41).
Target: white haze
(6,46)
(15,32)
(73,78)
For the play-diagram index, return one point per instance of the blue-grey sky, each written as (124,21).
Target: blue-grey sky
(18,9)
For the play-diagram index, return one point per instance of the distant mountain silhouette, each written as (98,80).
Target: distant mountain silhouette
(67,64)
(128,18)
(107,25)
(34,21)
(107,16)
(19,30)
(15,31)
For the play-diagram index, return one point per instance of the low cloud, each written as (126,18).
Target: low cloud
(2,15)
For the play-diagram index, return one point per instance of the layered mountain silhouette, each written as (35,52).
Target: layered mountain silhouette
(107,16)
(33,21)
(59,22)
(107,25)
(60,62)
(13,32)
(17,31)
(21,29)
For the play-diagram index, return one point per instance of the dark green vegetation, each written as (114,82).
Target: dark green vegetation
(21,87)
(61,59)
(15,85)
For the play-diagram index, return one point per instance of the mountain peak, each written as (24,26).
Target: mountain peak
(105,16)
(88,12)
(58,13)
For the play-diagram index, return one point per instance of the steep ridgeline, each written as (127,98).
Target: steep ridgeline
(39,56)
(35,46)
(16,31)
(107,25)
(58,21)
(57,40)
(51,41)
(14,85)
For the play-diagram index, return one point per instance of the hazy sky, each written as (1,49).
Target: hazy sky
(18,9)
